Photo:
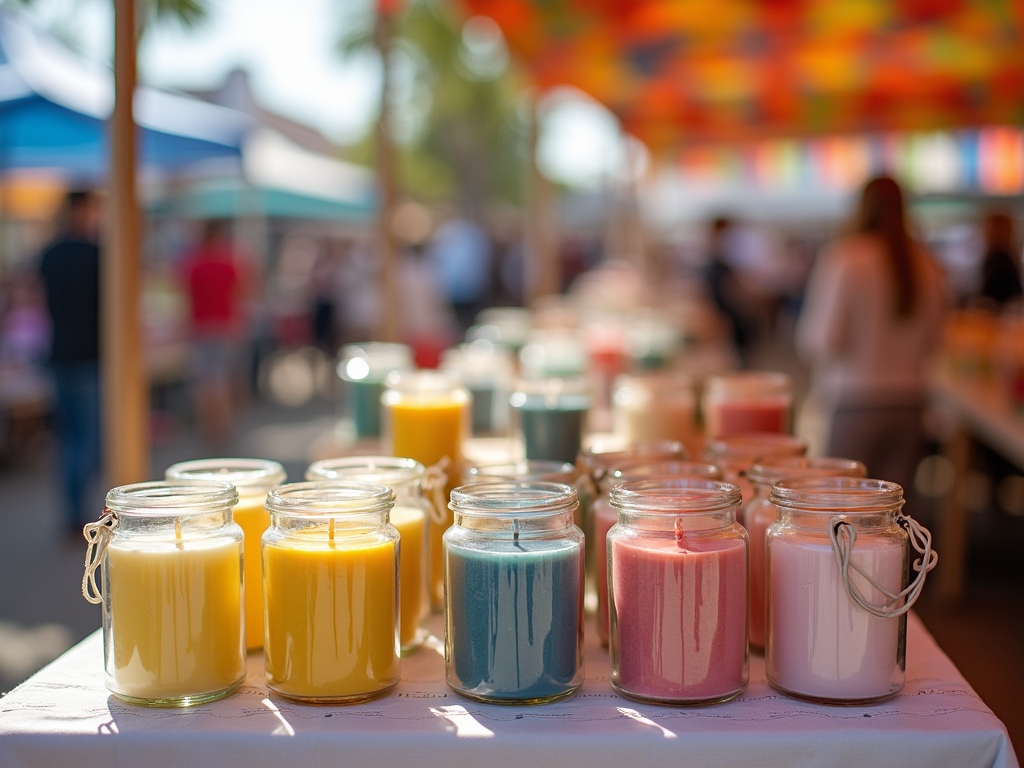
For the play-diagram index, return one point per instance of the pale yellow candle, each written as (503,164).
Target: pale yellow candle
(175,612)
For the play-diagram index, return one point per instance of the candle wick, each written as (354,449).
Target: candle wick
(330,531)
(177,533)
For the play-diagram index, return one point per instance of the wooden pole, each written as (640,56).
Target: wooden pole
(125,390)
(543,271)
(389,320)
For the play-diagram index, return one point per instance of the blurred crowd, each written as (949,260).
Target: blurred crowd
(218,316)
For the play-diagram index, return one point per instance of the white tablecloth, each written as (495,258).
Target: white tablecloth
(63,716)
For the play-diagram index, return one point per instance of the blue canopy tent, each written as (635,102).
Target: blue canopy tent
(54,109)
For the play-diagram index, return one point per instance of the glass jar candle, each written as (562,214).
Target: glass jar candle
(252,478)
(426,418)
(735,454)
(550,416)
(605,516)
(747,401)
(655,406)
(172,592)
(838,559)
(677,581)
(599,460)
(487,372)
(330,575)
(362,370)
(409,517)
(759,513)
(514,587)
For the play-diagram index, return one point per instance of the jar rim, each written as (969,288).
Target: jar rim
(664,469)
(380,470)
(422,381)
(773,469)
(327,498)
(749,383)
(675,496)
(604,454)
(837,495)
(177,497)
(754,445)
(553,386)
(244,474)
(523,470)
(509,499)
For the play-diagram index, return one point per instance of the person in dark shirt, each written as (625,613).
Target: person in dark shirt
(1000,272)
(70,271)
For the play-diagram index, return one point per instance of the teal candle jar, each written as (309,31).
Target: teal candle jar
(551,415)
(362,370)
(513,569)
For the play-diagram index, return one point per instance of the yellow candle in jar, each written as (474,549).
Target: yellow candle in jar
(428,430)
(411,524)
(175,613)
(251,515)
(331,618)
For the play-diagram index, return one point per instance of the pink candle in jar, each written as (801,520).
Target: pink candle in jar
(747,401)
(605,516)
(759,513)
(823,645)
(840,638)
(678,597)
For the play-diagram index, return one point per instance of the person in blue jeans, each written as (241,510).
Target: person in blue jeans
(70,271)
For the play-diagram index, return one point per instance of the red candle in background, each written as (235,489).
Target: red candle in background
(747,401)
(678,588)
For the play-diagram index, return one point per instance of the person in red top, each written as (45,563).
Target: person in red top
(217,287)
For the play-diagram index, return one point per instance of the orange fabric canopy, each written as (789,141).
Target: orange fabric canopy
(692,71)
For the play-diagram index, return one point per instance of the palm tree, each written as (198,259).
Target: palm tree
(467,144)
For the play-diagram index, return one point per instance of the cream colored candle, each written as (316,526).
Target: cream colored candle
(173,593)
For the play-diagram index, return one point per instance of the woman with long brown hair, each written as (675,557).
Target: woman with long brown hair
(871,321)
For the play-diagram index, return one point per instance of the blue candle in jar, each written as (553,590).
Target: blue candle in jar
(514,606)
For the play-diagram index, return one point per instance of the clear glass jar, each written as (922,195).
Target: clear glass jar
(654,406)
(330,571)
(747,401)
(409,517)
(487,372)
(759,513)
(834,638)
(549,416)
(426,418)
(677,581)
(522,471)
(172,592)
(605,516)
(735,454)
(253,479)
(513,566)
(362,370)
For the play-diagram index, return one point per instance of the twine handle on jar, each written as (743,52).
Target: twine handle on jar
(98,535)
(434,480)
(843,536)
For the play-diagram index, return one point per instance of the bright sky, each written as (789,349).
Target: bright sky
(289,50)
